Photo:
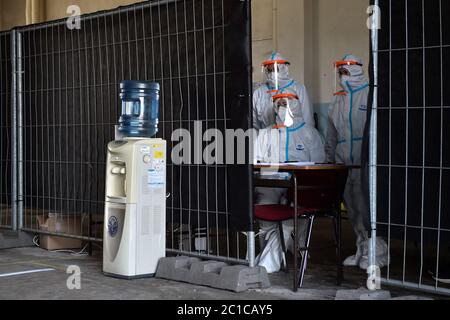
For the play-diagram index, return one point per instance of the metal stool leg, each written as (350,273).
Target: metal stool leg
(283,246)
(335,230)
(340,267)
(305,256)
(335,219)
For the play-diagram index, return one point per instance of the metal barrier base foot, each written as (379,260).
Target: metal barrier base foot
(213,274)
(363,294)
(13,239)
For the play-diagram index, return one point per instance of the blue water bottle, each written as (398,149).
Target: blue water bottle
(140,109)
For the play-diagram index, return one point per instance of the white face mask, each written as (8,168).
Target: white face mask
(285,115)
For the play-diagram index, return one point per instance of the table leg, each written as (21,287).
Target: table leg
(296,248)
(283,246)
(304,265)
(339,247)
(90,249)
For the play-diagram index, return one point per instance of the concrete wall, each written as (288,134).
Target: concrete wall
(56,9)
(312,34)
(339,27)
(12,13)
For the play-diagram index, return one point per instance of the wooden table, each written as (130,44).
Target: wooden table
(295,184)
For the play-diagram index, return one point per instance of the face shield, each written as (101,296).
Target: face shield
(271,72)
(342,74)
(283,104)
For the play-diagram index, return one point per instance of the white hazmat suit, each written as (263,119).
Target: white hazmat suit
(347,119)
(298,143)
(276,83)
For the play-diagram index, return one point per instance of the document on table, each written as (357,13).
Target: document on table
(289,164)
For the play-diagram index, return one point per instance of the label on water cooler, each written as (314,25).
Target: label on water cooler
(156,177)
(145,149)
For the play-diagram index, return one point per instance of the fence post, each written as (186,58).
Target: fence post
(19,90)
(251,248)
(373,160)
(14,176)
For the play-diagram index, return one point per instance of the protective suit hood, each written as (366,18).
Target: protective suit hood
(357,79)
(284,79)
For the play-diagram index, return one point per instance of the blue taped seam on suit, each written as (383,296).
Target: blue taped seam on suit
(351,115)
(288,130)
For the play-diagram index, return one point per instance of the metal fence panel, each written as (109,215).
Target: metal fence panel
(6,219)
(71,104)
(413,207)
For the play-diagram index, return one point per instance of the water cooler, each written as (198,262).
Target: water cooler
(135,208)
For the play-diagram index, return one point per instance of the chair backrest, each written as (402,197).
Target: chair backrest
(321,189)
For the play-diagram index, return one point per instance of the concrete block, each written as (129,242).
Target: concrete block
(11,239)
(213,274)
(362,294)
(241,278)
(376,295)
(206,273)
(176,269)
(413,298)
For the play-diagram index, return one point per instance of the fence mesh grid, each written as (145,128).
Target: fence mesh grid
(5,129)
(413,144)
(71,104)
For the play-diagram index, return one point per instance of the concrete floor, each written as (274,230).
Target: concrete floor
(319,282)
(52,285)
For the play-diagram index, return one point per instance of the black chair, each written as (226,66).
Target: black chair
(319,195)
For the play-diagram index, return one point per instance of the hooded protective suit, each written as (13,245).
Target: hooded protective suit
(263,112)
(299,143)
(347,119)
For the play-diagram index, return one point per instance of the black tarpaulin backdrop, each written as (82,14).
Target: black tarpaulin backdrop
(410,80)
(199,51)
(5,128)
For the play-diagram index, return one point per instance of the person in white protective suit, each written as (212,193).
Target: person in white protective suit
(277,80)
(290,140)
(347,119)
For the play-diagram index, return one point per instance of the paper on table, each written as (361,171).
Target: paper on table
(291,164)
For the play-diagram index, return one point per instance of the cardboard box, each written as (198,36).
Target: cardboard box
(58,243)
(62,224)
